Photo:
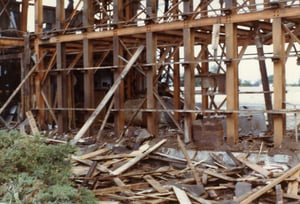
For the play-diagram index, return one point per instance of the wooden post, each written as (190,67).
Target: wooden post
(279,80)
(117,52)
(88,76)
(232,82)
(189,79)
(205,68)
(151,45)
(39,52)
(25,91)
(61,89)
(24,15)
(177,86)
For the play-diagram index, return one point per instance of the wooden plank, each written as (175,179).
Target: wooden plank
(32,123)
(269,186)
(135,160)
(107,97)
(108,111)
(108,202)
(102,168)
(155,184)
(294,185)
(181,196)
(116,189)
(89,163)
(95,153)
(168,112)
(220,176)
(199,199)
(49,107)
(255,167)
(291,196)
(189,161)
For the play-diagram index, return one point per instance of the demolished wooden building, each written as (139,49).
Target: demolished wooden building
(65,67)
(72,66)
(84,61)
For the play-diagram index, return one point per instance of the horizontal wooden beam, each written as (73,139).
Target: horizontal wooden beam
(234,18)
(11,42)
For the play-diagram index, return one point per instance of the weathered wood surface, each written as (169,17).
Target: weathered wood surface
(108,96)
(134,176)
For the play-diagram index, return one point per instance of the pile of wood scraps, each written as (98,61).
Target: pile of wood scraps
(148,176)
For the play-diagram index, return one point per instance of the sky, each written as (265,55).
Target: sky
(248,69)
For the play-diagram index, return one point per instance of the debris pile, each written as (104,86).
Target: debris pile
(154,174)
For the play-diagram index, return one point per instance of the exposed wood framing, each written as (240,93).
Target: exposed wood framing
(279,80)
(62,85)
(88,76)
(101,105)
(151,44)
(189,80)
(117,53)
(103,34)
(231,83)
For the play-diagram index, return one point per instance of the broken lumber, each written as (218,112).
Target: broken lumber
(135,160)
(273,183)
(104,121)
(107,97)
(95,153)
(115,189)
(255,167)
(32,123)
(189,161)
(181,196)
(294,185)
(155,184)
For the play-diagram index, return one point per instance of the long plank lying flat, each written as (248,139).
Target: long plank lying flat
(136,159)
(181,196)
(255,167)
(155,184)
(115,189)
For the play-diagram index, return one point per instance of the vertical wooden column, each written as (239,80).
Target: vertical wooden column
(24,15)
(189,78)
(177,86)
(38,53)
(279,80)
(205,69)
(88,76)
(232,82)
(25,91)
(151,45)
(118,51)
(61,89)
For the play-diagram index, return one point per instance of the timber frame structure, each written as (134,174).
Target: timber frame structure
(158,42)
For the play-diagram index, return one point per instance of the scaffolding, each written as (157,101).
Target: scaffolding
(78,51)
